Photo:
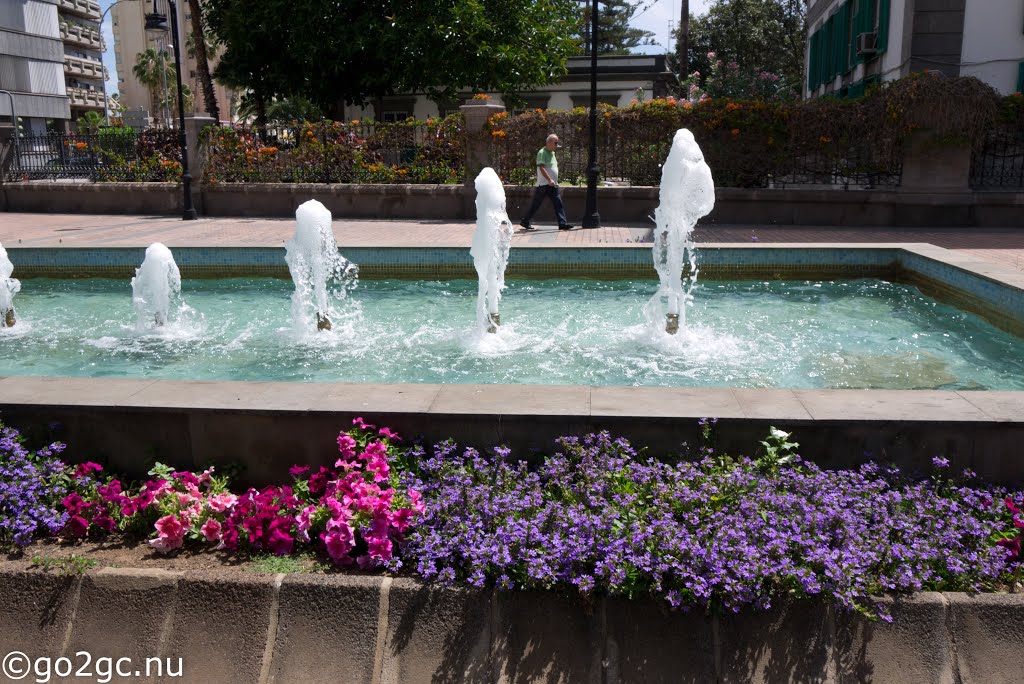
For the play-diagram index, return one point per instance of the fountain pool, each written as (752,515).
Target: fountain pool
(867,333)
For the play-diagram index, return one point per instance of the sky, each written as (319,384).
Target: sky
(653,15)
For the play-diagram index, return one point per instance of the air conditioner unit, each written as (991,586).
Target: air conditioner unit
(867,43)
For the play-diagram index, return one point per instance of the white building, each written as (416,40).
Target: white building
(852,43)
(619,79)
(83,55)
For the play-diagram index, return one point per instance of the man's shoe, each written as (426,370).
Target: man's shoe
(566,226)
(526,225)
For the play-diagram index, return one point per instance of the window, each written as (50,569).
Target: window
(393,116)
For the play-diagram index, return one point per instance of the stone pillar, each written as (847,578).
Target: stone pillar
(930,166)
(478,143)
(194,126)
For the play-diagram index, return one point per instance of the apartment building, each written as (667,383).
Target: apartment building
(130,40)
(852,43)
(83,55)
(32,65)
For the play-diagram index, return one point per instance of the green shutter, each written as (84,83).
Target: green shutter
(1020,77)
(810,61)
(854,29)
(829,61)
(883,25)
(844,33)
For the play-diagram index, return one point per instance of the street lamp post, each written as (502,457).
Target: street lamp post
(156,22)
(591,219)
(14,122)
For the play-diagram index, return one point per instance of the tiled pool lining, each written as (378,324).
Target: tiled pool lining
(992,291)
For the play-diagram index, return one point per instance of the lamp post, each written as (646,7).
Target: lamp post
(155,23)
(14,123)
(591,219)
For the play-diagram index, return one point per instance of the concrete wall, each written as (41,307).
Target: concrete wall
(993,44)
(232,627)
(616,205)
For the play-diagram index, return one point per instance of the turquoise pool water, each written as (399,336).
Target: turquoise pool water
(844,334)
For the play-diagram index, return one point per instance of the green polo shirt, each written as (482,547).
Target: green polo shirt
(546,158)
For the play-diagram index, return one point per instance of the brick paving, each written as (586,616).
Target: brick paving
(1001,245)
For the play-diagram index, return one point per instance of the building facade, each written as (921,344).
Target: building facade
(83,55)
(621,78)
(130,40)
(853,43)
(32,65)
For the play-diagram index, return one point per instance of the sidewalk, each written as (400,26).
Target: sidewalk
(1002,245)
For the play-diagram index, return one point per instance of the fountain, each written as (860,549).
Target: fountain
(8,288)
(687,194)
(314,263)
(491,243)
(156,288)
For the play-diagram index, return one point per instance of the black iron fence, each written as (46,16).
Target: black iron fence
(998,163)
(637,159)
(338,152)
(110,154)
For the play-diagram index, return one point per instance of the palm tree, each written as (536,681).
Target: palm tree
(198,45)
(89,122)
(150,67)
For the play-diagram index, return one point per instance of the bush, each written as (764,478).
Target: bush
(338,152)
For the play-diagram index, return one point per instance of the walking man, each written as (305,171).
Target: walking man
(547,185)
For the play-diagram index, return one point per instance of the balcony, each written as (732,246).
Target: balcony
(80,35)
(88,9)
(83,98)
(83,68)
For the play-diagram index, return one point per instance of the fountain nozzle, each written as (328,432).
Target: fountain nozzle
(672,323)
(322,322)
(9,319)
(493,321)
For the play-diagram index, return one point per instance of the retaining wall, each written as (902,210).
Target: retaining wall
(229,626)
(450,202)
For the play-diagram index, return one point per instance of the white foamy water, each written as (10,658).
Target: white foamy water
(8,288)
(491,242)
(322,276)
(156,297)
(687,193)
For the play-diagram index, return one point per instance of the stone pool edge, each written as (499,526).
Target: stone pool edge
(269,426)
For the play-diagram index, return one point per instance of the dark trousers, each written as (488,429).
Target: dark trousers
(539,193)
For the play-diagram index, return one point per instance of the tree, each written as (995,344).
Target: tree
(351,51)
(615,36)
(89,122)
(281,111)
(151,68)
(754,35)
(198,45)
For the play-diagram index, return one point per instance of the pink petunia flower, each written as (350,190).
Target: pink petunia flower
(222,502)
(388,434)
(171,533)
(211,530)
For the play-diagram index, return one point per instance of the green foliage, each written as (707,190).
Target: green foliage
(340,152)
(66,565)
(755,35)
(334,51)
(615,36)
(89,122)
(749,143)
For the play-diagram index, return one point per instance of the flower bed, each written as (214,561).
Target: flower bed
(338,152)
(595,516)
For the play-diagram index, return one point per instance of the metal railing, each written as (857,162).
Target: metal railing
(998,163)
(336,152)
(637,160)
(114,154)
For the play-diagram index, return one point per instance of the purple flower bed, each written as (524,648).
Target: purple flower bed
(714,533)
(594,517)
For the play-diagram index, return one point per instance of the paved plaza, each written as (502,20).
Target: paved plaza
(1002,245)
